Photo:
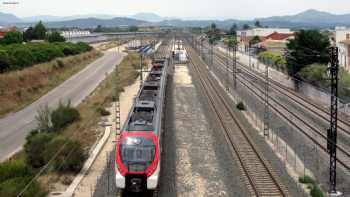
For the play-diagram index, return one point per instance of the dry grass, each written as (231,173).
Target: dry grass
(20,88)
(109,45)
(86,131)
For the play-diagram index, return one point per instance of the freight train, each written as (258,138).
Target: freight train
(138,147)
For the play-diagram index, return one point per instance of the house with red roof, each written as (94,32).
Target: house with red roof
(275,41)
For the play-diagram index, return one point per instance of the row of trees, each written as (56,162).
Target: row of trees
(38,32)
(18,56)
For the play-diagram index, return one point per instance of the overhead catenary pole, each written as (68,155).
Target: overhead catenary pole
(227,70)
(266,103)
(332,131)
(234,72)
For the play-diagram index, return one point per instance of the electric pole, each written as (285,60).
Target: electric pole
(141,69)
(234,72)
(332,131)
(266,111)
(116,99)
(227,65)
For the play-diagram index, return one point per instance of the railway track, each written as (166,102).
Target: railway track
(259,177)
(343,156)
(320,112)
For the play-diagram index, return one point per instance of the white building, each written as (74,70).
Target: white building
(263,32)
(75,33)
(342,41)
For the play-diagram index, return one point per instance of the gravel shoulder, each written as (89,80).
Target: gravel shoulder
(196,160)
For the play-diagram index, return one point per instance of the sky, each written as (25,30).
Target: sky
(220,9)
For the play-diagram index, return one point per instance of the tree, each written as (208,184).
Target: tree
(55,37)
(39,31)
(257,24)
(233,30)
(246,27)
(99,28)
(28,35)
(231,42)
(254,40)
(133,28)
(13,38)
(308,47)
(213,36)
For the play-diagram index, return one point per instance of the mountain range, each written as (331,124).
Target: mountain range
(307,19)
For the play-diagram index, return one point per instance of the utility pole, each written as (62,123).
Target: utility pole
(227,65)
(332,131)
(249,55)
(266,111)
(116,99)
(141,69)
(201,48)
(234,71)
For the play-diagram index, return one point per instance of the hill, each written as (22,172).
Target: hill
(91,23)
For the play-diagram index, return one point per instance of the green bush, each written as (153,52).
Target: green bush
(12,38)
(240,106)
(21,58)
(316,74)
(11,169)
(63,116)
(18,56)
(12,187)
(34,148)
(316,191)
(273,59)
(71,157)
(306,180)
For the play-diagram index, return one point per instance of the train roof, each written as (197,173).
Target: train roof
(144,115)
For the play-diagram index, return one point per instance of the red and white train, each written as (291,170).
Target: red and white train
(138,148)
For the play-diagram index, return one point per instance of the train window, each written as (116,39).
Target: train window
(137,153)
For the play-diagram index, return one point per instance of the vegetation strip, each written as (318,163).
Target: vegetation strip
(67,134)
(20,88)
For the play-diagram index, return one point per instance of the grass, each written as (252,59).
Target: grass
(109,45)
(20,88)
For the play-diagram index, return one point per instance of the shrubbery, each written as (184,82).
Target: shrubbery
(14,175)
(63,116)
(273,59)
(11,188)
(18,56)
(316,74)
(71,157)
(240,106)
(37,143)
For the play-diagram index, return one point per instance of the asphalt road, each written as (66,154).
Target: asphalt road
(15,127)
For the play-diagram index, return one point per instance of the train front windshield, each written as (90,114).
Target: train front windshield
(137,153)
